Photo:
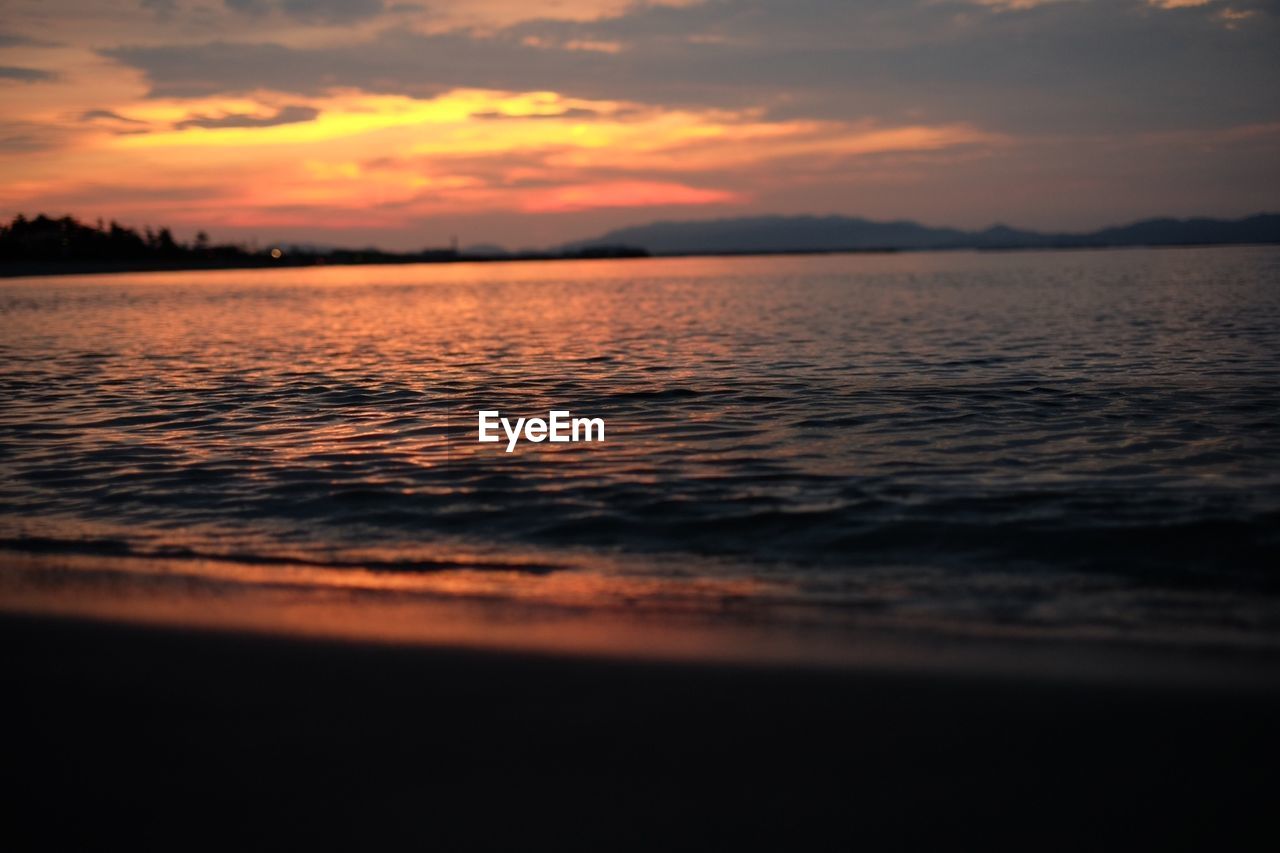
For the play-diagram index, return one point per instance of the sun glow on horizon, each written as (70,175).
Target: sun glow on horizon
(398,124)
(348,157)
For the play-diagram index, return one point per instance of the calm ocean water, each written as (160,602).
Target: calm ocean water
(1059,444)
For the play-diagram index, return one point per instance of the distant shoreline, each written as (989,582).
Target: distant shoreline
(49,270)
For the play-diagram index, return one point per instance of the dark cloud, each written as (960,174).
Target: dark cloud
(285,115)
(572,112)
(163,9)
(25,75)
(1087,66)
(24,137)
(312,11)
(108,115)
(248,7)
(16,40)
(332,11)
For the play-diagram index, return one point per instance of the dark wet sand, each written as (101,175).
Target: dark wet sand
(130,734)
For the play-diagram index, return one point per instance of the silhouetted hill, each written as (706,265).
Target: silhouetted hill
(1263,228)
(843,233)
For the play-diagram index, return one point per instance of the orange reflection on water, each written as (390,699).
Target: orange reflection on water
(570,613)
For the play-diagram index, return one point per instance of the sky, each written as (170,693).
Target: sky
(405,125)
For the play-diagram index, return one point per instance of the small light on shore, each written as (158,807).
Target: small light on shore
(275,253)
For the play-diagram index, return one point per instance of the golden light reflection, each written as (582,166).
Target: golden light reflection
(567,612)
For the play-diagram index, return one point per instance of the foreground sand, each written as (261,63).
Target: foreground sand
(168,736)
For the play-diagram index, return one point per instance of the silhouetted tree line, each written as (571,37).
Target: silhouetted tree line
(47,245)
(48,240)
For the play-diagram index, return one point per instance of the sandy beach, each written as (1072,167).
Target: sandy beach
(154,734)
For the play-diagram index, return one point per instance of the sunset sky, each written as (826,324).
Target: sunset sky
(401,124)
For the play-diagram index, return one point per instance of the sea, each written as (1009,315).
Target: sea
(1077,447)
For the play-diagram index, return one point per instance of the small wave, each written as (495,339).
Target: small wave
(119,548)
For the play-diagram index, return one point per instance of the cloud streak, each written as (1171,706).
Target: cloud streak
(284,115)
(25,75)
(1057,66)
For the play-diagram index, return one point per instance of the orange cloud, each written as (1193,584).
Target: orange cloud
(623,194)
(263,160)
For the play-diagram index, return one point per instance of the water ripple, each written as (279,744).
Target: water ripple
(972,417)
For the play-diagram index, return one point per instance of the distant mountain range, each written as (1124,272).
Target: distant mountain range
(844,233)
